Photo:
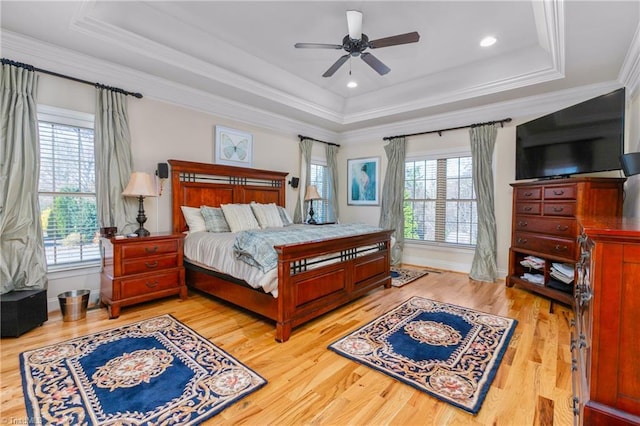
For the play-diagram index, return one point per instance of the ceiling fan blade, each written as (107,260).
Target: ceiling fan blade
(354,24)
(395,40)
(341,60)
(318,46)
(375,63)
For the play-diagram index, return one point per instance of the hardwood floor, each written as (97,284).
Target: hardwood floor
(309,384)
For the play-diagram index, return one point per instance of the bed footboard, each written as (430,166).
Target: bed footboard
(351,267)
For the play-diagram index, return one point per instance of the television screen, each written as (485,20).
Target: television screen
(584,138)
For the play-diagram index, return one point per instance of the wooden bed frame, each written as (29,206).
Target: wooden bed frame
(361,263)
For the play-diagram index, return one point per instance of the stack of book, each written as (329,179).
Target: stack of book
(562,272)
(533,278)
(533,262)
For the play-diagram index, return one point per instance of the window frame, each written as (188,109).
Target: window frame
(61,116)
(441,155)
(326,197)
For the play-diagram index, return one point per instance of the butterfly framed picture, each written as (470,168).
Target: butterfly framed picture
(233,147)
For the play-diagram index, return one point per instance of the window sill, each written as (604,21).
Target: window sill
(73,270)
(449,246)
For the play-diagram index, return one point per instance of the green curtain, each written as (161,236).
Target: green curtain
(300,214)
(23,264)
(483,140)
(332,168)
(392,203)
(114,162)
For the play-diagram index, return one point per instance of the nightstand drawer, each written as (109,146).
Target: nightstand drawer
(149,264)
(149,248)
(150,284)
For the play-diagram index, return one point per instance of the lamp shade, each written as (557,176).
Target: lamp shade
(312,193)
(630,163)
(140,185)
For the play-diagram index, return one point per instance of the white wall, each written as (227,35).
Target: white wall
(452,142)
(159,132)
(162,131)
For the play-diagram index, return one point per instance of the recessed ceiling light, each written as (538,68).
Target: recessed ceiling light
(352,84)
(488,41)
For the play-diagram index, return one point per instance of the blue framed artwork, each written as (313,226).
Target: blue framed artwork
(363,175)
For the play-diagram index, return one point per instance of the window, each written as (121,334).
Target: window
(320,178)
(67,190)
(440,201)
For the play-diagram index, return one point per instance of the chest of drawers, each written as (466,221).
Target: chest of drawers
(604,336)
(544,225)
(140,269)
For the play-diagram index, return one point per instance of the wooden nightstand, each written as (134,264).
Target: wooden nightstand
(140,269)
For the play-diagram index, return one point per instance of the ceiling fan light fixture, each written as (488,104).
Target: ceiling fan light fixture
(354,24)
(488,41)
(352,84)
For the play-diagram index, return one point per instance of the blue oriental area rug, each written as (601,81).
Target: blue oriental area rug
(156,371)
(447,351)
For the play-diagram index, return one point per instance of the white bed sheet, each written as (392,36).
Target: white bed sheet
(215,251)
(212,250)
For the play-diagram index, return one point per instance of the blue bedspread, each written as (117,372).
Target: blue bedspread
(255,247)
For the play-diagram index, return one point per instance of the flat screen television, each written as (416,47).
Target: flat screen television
(584,138)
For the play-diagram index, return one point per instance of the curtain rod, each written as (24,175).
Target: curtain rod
(439,132)
(99,85)
(317,140)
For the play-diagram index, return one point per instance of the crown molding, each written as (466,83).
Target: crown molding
(43,55)
(522,107)
(630,72)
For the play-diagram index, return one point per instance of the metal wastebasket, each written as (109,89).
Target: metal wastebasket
(73,304)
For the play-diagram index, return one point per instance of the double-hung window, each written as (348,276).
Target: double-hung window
(320,178)
(440,201)
(67,187)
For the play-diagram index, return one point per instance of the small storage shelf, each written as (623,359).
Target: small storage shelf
(544,225)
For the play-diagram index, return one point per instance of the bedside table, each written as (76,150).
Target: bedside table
(140,269)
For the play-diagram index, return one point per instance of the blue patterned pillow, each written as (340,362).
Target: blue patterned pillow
(214,219)
(284,216)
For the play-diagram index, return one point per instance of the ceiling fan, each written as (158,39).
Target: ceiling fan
(355,43)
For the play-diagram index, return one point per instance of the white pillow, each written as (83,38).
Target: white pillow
(194,219)
(267,215)
(239,217)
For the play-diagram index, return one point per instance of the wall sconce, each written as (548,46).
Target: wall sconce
(294,182)
(140,185)
(630,163)
(312,194)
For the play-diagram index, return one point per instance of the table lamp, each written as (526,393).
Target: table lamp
(312,194)
(140,185)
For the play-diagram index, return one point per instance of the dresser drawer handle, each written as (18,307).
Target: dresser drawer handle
(151,249)
(528,194)
(152,285)
(151,264)
(562,227)
(558,192)
(558,247)
(522,224)
(558,209)
(527,208)
(522,241)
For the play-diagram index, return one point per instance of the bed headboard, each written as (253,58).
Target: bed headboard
(203,184)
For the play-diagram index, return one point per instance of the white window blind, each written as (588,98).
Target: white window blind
(320,178)
(440,201)
(67,190)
